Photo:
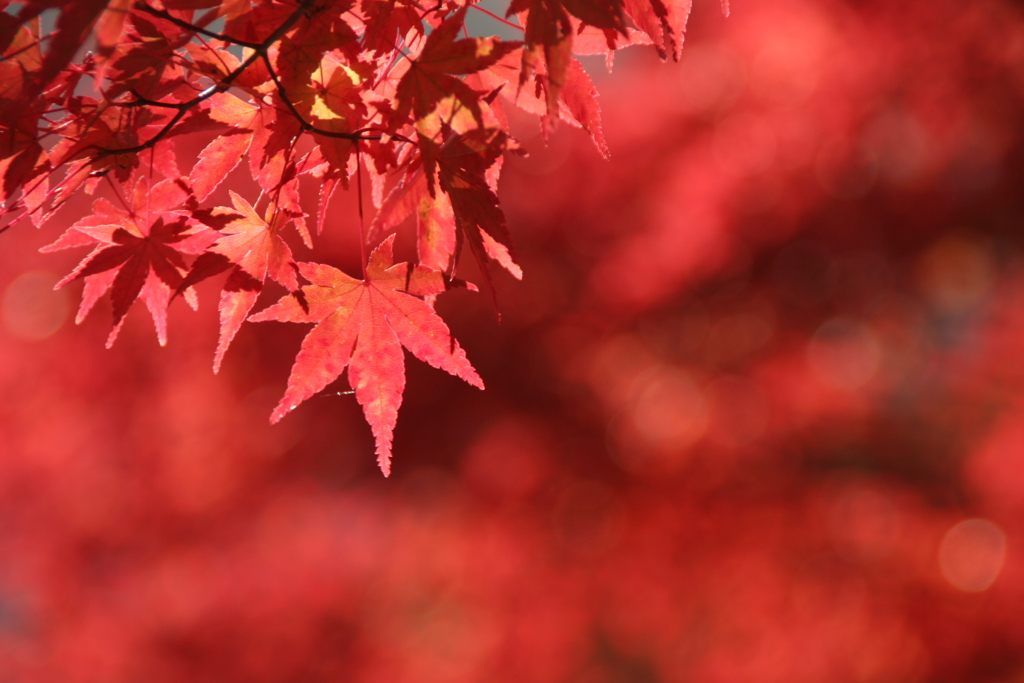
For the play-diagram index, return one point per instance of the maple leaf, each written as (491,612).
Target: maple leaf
(588,40)
(387,21)
(265,134)
(254,245)
(255,250)
(471,208)
(363,325)
(549,34)
(260,20)
(138,252)
(93,137)
(19,147)
(577,99)
(329,86)
(463,209)
(435,221)
(73,27)
(216,63)
(248,131)
(431,78)
(664,21)
(462,165)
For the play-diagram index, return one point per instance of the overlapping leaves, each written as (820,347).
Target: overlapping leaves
(391,91)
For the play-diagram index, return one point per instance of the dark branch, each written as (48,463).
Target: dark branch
(164,14)
(260,51)
(306,125)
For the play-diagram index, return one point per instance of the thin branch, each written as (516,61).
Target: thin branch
(167,16)
(306,125)
(216,54)
(141,101)
(260,51)
(495,16)
(359,195)
(393,136)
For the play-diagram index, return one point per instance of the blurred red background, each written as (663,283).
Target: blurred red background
(755,413)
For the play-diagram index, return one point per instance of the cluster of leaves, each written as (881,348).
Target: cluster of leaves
(327,89)
(759,372)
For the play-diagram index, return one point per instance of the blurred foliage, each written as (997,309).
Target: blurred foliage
(755,413)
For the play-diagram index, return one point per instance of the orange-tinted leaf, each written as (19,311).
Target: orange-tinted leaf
(594,41)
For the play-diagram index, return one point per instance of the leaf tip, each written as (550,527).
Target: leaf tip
(281,410)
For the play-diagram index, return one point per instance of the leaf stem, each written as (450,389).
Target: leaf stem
(359,195)
(167,16)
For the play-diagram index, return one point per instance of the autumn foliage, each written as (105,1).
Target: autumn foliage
(316,89)
(753,410)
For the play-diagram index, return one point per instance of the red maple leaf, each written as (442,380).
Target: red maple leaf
(431,76)
(323,89)
(224,152)
(387,22)
(254,245)
(549,34)
(452,190)
(462,164)
(255,250)
(363,325)
(577,99)
(19,117)
(264,133)
(73,26)
(664,21)
(471,207)
(138,251)
(435,221)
